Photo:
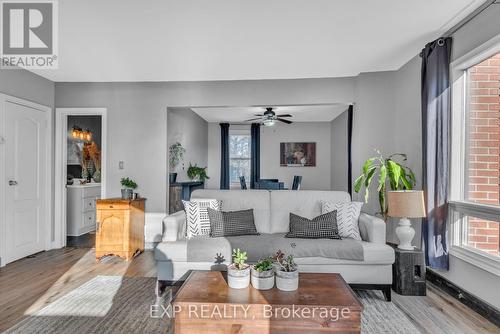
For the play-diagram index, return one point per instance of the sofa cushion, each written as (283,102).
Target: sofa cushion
(234,200)
(197,220)
(347,217)
(305,203)
(374,254)
(322,227)
(230,223)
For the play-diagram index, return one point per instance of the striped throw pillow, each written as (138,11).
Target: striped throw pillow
(197,220)
(347,217)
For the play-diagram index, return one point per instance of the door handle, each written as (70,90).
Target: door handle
(12,183)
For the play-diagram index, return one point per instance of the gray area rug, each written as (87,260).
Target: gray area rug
(115,304)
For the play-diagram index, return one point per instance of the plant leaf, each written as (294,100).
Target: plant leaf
(359,182)
(368,163)
(394,173)
(382,177)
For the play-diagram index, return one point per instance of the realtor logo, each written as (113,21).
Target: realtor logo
(29,34)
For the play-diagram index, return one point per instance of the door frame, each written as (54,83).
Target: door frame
(61,172)
(48,170)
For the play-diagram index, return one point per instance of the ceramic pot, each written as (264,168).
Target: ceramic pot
(262,280)
(127,193)
(287,281)
(97,176)
(238,278)
(172,177)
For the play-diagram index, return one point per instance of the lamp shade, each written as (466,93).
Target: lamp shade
(407,204)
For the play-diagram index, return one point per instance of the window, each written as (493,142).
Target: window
(475,183)
(239,156)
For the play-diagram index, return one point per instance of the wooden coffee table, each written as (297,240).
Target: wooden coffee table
(322,303)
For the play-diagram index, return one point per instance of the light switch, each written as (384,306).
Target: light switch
(120,165)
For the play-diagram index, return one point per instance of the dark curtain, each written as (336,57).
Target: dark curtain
(349,149)
(255,151)
(224,155)
(436,126)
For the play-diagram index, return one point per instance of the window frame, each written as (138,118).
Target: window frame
(239,131)
(459,207)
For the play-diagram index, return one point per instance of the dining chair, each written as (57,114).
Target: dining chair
(297,180)
(243,183)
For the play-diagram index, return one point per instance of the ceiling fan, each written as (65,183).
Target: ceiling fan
(269,118)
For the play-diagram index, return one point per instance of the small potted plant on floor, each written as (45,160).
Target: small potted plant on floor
(287,274)
(196,173)
(262,274)
(128,187)
(238,272)
(176,154)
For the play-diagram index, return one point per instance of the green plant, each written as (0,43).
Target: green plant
(264,264)
(176,154)
(239,259)
(285,263)
(195,171)
(399,176)
(128,183)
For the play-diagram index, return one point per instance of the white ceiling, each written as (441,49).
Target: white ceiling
(306,113)
(191,40)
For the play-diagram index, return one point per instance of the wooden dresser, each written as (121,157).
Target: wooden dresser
(120,227)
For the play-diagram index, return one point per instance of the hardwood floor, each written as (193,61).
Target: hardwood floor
(29,284)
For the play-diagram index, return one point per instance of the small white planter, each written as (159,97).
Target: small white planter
(262,280)
(287,281)
(238,278)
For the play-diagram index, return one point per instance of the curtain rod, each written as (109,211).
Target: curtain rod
(470,17)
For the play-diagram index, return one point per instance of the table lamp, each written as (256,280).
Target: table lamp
(405,204)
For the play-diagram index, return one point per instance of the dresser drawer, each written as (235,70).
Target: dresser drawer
(89,218)
(93,192)
(89,204)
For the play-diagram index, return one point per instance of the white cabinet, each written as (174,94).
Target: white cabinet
(80,211)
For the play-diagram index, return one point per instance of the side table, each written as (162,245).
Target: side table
(408,272)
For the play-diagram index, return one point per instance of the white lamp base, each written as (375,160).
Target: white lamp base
(405,234)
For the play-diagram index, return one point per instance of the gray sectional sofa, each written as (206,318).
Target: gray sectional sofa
(366,263)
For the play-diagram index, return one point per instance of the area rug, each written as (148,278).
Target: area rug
(115,304)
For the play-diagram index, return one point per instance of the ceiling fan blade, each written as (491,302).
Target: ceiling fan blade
(284,120)
(252,119)
(259,115)
(284,115)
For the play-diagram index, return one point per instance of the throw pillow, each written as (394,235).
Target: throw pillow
(197,220)
(231,223)
(347,217)
(321,227)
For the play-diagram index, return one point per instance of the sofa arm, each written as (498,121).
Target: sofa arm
(173,226)
(372,228)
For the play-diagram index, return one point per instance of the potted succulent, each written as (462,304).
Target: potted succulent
(287,274)
(197,173)
(128,187)
(238,272)
(176,154)
(262,274)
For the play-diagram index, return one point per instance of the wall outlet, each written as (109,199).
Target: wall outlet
(121,165)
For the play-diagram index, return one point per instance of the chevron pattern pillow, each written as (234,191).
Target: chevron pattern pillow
(321,227)
(347,217)
(197,220)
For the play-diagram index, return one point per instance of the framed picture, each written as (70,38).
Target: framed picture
(298,154)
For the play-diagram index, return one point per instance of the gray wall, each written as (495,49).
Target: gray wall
(339,159)
(27,85)
(189,129)
(137,118)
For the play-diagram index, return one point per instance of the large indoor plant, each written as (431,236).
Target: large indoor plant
(176,154)
(397,175)
(262,274)
(128,186)
(238,272)
(287,273)
(197,173)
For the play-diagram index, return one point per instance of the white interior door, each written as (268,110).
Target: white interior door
(25,175)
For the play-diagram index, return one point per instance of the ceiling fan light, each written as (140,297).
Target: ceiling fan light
(268,122)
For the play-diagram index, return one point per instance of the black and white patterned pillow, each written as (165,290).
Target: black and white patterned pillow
(197,220)
(231,223)
(321,227)
(347,217)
